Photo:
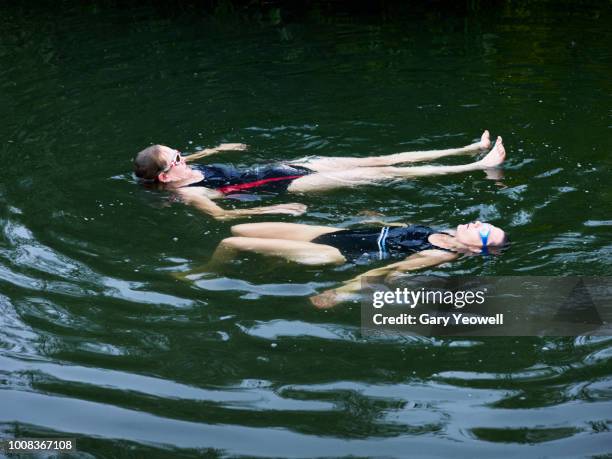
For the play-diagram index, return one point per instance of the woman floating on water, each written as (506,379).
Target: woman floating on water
(200,184)
(417,246)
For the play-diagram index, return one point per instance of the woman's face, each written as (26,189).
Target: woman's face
(175,166)
(475,233)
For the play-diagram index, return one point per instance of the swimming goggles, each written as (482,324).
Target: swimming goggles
(484,236)
(177,160)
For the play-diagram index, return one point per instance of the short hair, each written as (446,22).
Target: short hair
(506,242)
(149,163)
(500,248)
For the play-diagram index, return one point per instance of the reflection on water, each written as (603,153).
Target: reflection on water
(101,338)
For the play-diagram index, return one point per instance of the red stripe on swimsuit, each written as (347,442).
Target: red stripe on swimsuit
(246,186)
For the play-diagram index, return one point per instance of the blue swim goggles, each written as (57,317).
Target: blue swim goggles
(484,237)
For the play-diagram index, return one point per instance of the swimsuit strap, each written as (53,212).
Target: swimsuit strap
(382,238)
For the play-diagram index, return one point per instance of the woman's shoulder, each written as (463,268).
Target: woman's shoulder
(440,254)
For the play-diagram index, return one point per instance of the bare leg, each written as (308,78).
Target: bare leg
(359,176)
(287,231)
(301,252)
(281,235)
(336,163)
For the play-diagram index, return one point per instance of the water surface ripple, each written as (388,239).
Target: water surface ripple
(99,340)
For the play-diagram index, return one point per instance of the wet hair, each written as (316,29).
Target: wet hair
(505,245)
(149,163)
(497,249)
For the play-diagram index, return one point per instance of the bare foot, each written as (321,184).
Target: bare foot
(485,140)
(496,156)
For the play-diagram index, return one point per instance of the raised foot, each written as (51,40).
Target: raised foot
(496,156)
(485,140)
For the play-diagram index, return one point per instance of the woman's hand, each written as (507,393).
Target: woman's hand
(325,300)
(290,208)
(231,147)
(330,298)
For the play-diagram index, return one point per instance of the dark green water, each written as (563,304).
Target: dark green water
(99,341)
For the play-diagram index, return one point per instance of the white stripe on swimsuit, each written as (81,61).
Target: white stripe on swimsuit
(382,237)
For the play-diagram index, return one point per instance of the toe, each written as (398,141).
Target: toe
(485,139)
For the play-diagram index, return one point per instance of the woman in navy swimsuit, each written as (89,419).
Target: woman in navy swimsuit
(414,246)
(199,185)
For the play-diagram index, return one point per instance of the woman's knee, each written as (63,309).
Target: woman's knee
(325,255)
(264,229)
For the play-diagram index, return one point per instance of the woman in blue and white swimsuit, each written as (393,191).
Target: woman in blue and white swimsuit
(415,247)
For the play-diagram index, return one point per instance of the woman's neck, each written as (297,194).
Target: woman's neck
(446,241)
(193,176)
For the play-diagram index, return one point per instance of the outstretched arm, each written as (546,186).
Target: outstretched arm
(420,260)
(201,201)
(211,151)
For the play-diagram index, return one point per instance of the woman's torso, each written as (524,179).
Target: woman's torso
(229,179)
(379,243)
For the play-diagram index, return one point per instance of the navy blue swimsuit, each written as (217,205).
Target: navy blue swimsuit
(229,179)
